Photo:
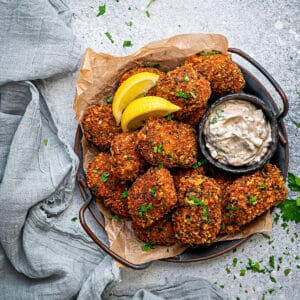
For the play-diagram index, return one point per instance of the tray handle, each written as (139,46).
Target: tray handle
(274,83)
(89,231)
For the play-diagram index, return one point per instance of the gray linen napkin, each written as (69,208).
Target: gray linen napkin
(42,254)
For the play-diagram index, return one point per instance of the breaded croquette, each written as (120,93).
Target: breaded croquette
(197,220)
(184,88)
(117,203)
(224,75)
(99,178)
(171,143)
(127,164)
(160,233)
(251,195)
(151,196)
(99,125)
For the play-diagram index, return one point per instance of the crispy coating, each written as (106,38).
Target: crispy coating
(127,164)
(160,233)
(186,173)
(185,88)
(151,196)
(172,143)
(134,71)
(99,178)
(251,195)
(194,117)
(197,221)
(118,204)
(99,125)
(224,75)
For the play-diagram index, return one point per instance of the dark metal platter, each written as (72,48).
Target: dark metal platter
(280,158)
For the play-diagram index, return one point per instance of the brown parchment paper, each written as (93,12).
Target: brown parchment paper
(97,80)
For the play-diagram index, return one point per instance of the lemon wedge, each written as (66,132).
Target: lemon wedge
(142,108)
(132,88)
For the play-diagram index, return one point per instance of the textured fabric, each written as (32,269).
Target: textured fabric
(43,254)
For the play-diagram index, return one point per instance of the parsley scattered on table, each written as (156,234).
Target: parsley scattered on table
(242,272)
(45,142)
(287,272)
(130,23)
(290,210)
(127,44)
(148,13)
(273,279)
(298,125)
(272,261)
(74,219)
(293,182)
(149,3)
(109,37)
(101,10)
(234,262)
(148,246)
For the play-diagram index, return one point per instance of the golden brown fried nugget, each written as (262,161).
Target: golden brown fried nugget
(161,233)
(99,178)
(99,125)
(118,204)
(251,195)
(127,164)
(171,143)
(151,197)
(197,221)
(185,88)
(224,75)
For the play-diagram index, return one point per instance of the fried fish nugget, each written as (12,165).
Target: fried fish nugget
(197,221)
(151,196)
(127,164)
(99,178)
(251,195)
(224,75)
(160,233)
(172,143)
(99,125)
(185,88)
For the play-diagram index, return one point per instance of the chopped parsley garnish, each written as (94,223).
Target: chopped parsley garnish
(45,142)
(144,209)
(149,3)
(229,207)
(127,44)
(148,246)
(213,120)
(293,182)
(193,94)
(186,78)
(113,216)
(199,163)
(158,149)
(147,13)
(228,270)
(272,261)
(169,117)
(253,201)
(183,95)
(273,279)
(207,53)
(86,128)
(109,100)
(104,177)
(188,219)
(160,165)
(152,191)
(263,186)
(242,272)
(109,37)
(125,194)
(130,23)
(197,202)
(229,215)
(298,125)
(74,219)
(255,267)
(95,171)
(101,10)
(290,210)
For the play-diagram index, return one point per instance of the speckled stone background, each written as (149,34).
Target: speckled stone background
(268,31)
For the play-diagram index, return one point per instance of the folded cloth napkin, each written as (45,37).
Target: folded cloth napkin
(42,254)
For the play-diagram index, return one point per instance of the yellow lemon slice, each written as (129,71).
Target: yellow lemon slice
(142,108)
(134,87)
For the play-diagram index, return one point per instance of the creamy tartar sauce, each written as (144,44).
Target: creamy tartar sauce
(237,133)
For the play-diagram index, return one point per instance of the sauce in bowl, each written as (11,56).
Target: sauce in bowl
(237,133)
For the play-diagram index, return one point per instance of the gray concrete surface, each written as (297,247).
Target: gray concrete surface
(268,31)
